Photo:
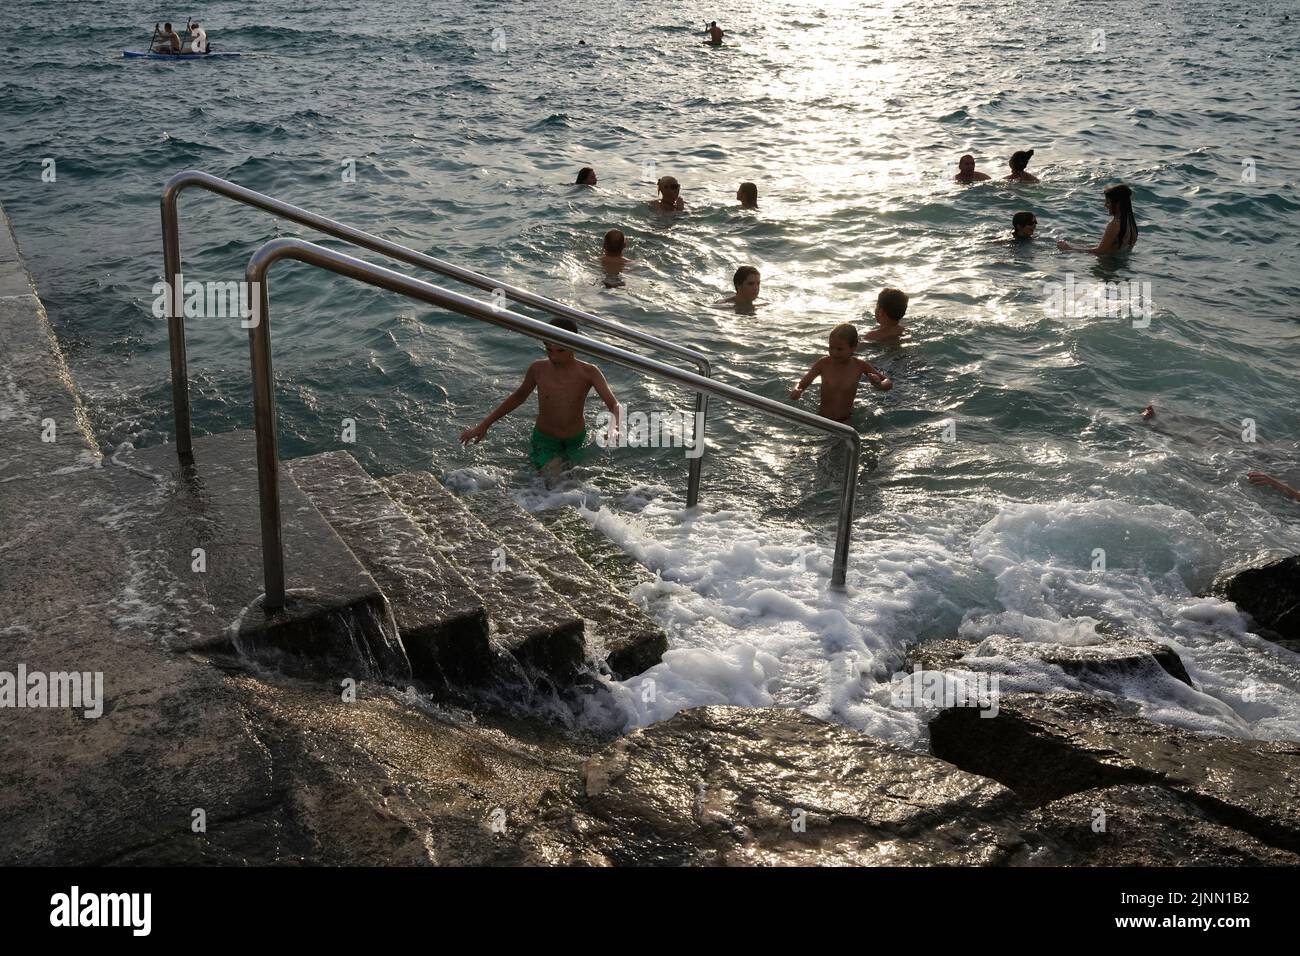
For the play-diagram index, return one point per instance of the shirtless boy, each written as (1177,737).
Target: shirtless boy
(562,384)
(891,306)
(840,372)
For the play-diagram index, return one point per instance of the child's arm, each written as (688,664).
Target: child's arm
(516,398)
(607,396)
(1260,478)
(605,392)
(797,392)
(875,376)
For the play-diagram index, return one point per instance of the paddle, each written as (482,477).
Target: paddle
(154,39)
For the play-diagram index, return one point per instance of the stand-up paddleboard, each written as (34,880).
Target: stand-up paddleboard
(145,55)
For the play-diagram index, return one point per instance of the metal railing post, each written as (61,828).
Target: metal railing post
(380,277)
(176,326)
(268,453)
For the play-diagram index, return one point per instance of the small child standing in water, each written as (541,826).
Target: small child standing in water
(562,384)
(840,372)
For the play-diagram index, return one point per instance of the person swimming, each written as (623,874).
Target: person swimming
(612,259)
(966,171)
(891,306)
(1121,232)
(670,195)
(1023,225)
(586,177)
(747,194)
(1019,161)
(715,34)
(746,282)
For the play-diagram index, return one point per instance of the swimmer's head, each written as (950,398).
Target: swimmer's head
(746,281)
(844,339)
(669,187)
(747,194)
(966,165)
(586,177)
(1023,225)
(558,353)
(891,305)
(1020,159)
(1119,202)
(614,243)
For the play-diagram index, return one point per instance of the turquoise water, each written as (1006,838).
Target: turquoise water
(850,118)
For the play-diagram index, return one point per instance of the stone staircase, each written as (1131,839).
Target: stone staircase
(479,589)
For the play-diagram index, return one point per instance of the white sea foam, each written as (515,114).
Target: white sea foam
(752,622)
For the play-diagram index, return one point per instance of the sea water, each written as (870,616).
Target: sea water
(1009,454)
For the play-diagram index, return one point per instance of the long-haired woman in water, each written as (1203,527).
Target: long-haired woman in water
(1122,230)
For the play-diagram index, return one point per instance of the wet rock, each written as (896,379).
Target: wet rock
(1144,826)
(1270,594)
(1045,747)
(1115,657)
(731,785)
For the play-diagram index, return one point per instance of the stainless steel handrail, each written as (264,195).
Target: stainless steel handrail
(259,336)
(249,197)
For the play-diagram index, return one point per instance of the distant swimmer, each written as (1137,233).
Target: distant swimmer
(891,306)
(1268,481)
(715,34)
(586,177)
(966,171)
(746,281)
(1023,225)
(670,195)
(1019,162)
(1122,230)
(747,194)
(562,384)
(612,259)
(840,372)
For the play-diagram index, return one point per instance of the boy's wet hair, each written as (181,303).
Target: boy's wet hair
(749,193)
(893,302)
(614,242)
(1020,159)
(845,332)
(743,273)
(582,175)
(1022,219)
(567,324)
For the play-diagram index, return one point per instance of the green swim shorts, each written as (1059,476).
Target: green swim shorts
(545,447)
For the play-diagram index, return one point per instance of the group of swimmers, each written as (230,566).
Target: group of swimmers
(1121,232)
(168,40)
(563,382)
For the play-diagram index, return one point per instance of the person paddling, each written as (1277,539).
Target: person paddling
(169,41)
(715,34)
(198,39)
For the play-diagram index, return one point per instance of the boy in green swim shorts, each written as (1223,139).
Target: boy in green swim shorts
(562,384)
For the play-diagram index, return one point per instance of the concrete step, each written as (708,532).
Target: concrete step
(441,620)
(528,619)
(618,632)
(620,569)
(335,623)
